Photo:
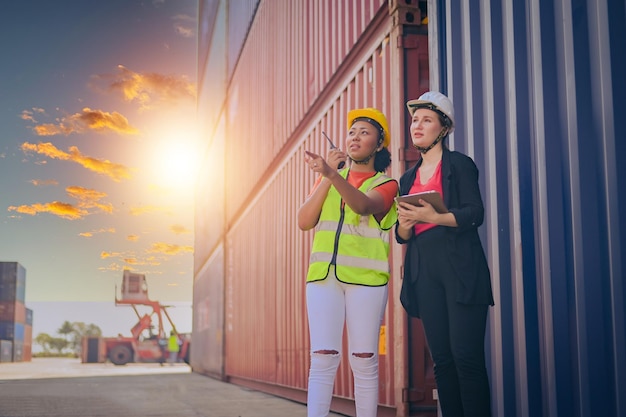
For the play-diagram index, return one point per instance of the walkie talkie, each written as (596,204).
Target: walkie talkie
(332,146)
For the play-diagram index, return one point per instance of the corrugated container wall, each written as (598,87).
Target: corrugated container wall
(6,351)
(292,51)
(537,87)
(539,91)
(302,66)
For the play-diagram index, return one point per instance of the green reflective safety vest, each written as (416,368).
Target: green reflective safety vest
(358,246)
(172,344)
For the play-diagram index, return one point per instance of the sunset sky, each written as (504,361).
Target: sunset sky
(97,145)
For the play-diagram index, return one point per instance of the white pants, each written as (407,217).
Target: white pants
(329,304)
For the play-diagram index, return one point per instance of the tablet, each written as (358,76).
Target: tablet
(432,197)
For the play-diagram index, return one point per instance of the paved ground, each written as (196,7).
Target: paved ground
(67,388)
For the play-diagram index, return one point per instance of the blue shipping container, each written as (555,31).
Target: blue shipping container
(12,282)
(29,316)
(6,351)
(7,330)
(18,351)
(10,330)
(18,335)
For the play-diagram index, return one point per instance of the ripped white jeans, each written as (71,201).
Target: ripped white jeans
(329,304)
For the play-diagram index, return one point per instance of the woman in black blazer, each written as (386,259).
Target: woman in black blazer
(446,279)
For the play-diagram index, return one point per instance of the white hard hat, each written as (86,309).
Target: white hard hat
(435,101)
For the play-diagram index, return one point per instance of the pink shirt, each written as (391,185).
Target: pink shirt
(433,184)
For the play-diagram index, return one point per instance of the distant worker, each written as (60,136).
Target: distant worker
(173,347)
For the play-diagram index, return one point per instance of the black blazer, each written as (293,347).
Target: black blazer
(461,195)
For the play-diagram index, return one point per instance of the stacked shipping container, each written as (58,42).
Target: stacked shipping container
(250,324)
(16,321)
(535,88)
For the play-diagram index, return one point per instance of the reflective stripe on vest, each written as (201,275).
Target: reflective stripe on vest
(357,245)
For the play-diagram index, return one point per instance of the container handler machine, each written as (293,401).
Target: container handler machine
(146,343)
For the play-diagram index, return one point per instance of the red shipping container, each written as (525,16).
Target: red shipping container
(28,334)
(14,311)
(27,352)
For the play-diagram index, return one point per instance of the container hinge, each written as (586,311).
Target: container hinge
(405,15)
(410,395)
(411,41)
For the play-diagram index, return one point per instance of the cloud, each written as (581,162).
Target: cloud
(185,18)
(179,229)
(131,261)
(184,31)
(130,258)
(116,172)
(85,194)
(169,249)
(98,231)
(184,25)
(43,183)
(47,149)
(147,88)
(87,199)
(63,210)
(29,115)
(132,238)
(86,120)
(137,211)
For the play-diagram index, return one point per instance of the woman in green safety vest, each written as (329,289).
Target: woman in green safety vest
(352,210)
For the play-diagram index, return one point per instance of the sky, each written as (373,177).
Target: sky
(98,143)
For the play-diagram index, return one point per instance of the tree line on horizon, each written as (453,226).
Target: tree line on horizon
(69,341)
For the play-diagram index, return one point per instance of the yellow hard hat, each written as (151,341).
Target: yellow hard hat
(373,115)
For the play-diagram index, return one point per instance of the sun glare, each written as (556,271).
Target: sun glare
(177,163)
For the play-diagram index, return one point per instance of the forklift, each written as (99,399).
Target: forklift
(147,343)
